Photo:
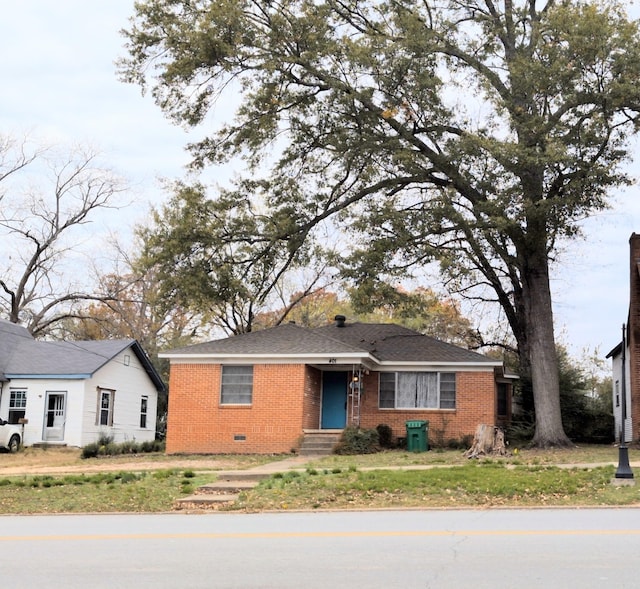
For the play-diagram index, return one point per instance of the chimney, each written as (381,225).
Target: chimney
(340,320)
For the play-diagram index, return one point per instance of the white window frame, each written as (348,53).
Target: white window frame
(442,398)
(236,384)
(17,403)
(144,411)
(107,411)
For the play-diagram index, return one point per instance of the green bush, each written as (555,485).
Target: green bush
(90,450)
(105,446)
(104,439)
(355,440)
(385,435)
(152,446)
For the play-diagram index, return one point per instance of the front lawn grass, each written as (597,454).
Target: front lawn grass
(475,484)
(584,454)
(108,492)
(526,478)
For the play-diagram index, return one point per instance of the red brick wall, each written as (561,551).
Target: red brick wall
(475,404)
(633,335)
(273,423)
(286,400)
(312,398)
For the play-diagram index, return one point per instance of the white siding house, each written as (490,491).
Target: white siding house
(71,393)
(620,371)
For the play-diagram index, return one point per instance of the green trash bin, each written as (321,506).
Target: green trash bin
(417,435)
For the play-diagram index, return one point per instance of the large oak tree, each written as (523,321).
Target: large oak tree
(474,132)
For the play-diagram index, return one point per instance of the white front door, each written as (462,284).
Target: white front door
(54,417)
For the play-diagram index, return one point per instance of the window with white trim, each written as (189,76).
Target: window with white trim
(237,385)
(144,405)
(17,404)
(105,406)
(417,390)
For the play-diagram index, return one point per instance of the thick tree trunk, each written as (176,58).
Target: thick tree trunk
(541,350)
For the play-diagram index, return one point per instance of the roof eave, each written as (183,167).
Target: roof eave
(16,376)
(150,369)
(334,358)
(458,365)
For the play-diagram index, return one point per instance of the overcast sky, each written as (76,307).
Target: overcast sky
(58,82)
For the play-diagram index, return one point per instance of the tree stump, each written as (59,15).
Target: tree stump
(487,441)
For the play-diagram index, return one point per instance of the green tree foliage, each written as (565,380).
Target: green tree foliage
(420,309)
(585,399)
(222,258)
(477,133)
(587,411)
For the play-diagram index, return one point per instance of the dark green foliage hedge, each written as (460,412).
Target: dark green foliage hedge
(355,440)
(106,447)
(385,435)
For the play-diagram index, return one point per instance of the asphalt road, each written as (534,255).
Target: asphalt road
(388,549)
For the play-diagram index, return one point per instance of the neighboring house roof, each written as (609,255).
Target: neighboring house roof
(29,358)
(10,336)
(376,342)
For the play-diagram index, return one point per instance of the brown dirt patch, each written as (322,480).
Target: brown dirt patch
(68,460)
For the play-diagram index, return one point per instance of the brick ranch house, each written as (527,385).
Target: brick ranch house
(261,392)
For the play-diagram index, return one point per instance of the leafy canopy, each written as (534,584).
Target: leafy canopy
(475,132)
(479,127)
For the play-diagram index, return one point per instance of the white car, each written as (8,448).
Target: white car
(10,436)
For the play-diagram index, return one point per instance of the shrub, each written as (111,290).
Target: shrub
(105,446)
(152,446)
(104,439)
(385,435)
(90,450)
(355,440)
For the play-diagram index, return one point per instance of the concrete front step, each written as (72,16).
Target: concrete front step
(318,444)
(222,491)
(242,475)
(206,500)
(219,487)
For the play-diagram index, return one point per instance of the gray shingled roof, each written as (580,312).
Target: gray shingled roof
(385,342)
(394,343)
(285,339)
(10,336)
(21,356)
(63,358)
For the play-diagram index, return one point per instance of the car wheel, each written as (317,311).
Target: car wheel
(14,443)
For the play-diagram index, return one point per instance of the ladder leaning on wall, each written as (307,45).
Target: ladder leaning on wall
(355,396)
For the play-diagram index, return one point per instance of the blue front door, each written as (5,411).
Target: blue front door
(334,400)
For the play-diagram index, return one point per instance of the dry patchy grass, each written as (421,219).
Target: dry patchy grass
(474,484)
(584,454)
(68,460)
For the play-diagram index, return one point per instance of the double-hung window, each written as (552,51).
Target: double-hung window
(237,385)
(105,406)
(17,404)
(144,406)
(417,390)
